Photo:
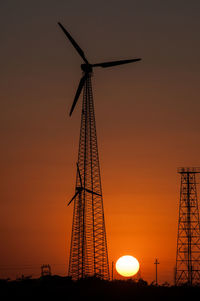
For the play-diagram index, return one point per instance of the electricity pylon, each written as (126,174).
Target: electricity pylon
(188,240)
(88,251)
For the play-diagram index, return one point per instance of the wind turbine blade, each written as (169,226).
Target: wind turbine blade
(78,49)
(79,175)
(73,198)
(78,92)
(115,63)
(92,192)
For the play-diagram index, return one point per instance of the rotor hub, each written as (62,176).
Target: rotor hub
(87,68)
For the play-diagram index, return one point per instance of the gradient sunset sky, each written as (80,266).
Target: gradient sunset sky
(147,116)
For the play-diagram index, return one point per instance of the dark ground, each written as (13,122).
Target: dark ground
(91,289)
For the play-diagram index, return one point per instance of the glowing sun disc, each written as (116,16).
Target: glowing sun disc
(127,266)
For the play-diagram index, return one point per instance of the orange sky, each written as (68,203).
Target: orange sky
(147,117)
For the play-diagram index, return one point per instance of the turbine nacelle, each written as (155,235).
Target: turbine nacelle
(87,68)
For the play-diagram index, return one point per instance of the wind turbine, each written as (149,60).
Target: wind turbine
(80,188)
(88,250)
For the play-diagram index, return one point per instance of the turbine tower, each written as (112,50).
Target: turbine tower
(88,250)
(188,240)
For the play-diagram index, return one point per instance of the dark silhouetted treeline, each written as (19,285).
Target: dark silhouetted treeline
(63,288)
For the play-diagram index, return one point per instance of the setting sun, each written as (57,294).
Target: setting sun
(127,266)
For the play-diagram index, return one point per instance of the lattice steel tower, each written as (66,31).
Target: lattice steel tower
(88,254)
(88,251)
(188,239)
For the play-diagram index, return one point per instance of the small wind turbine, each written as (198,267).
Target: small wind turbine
(80,188)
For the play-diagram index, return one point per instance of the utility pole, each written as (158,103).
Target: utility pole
(156,264)
(112,270)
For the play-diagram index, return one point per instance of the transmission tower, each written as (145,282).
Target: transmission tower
(188,240)
(45,270)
